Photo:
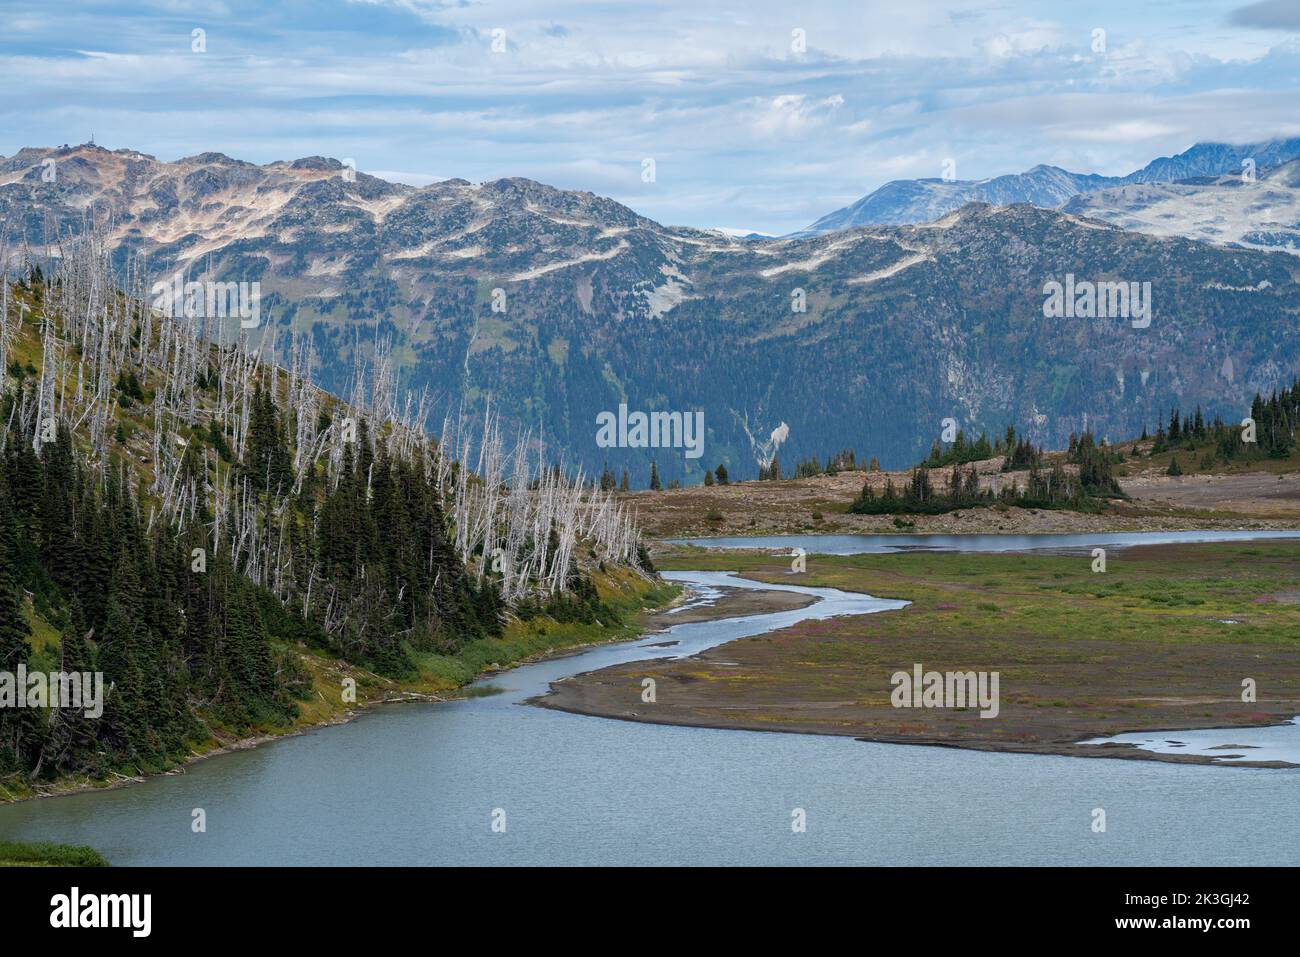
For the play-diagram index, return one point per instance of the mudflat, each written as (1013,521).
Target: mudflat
(1164,639)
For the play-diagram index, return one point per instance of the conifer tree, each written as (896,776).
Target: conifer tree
(14,647)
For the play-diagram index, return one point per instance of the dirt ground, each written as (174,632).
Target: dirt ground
(1261,495)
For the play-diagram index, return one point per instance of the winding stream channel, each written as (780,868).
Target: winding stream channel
(420,783)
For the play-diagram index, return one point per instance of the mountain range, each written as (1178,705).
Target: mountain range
(923,200)
(1263,213)
(551,307)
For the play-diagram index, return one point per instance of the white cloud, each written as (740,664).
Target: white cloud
(742,129)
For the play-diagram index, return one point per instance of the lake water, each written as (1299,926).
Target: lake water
(420,783)
(874,544)
(1224,745)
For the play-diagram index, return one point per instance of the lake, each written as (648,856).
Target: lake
(422,784)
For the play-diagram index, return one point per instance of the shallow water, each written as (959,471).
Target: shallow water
(1225,745)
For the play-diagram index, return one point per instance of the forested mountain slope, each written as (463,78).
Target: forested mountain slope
(194,523)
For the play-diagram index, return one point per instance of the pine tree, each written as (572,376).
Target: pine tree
(655,484)
(14,648)
(56,524)
(267,464)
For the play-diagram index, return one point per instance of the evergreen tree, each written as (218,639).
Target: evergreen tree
(267,464)
(14,648)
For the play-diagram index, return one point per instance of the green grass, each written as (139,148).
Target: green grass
(527,640)
(1147,644)
(46,854)
(1173,595)
(1191,460)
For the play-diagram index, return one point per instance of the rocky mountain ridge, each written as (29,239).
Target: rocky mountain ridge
(552,306)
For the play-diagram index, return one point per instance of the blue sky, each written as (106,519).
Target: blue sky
(746,131)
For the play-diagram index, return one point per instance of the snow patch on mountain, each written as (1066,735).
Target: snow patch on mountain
(1225,210)
(566,263)
(662,299)
(893,270)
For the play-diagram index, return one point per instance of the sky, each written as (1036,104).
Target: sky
(757,115)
